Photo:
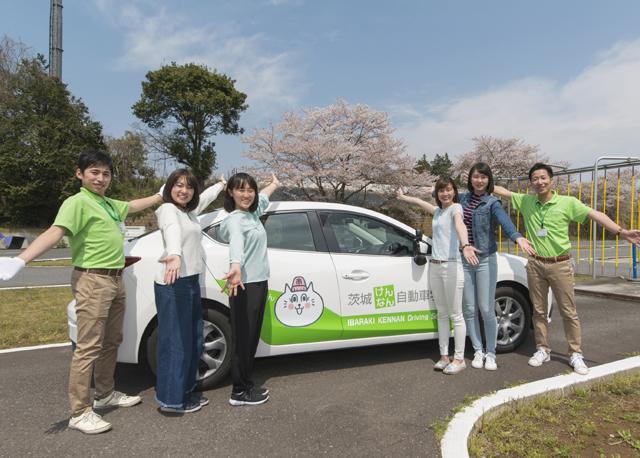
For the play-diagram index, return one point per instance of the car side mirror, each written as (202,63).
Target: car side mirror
(419,249)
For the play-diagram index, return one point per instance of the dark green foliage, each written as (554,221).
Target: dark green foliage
(441,165)
(133,178)
(43,129)
(186,105)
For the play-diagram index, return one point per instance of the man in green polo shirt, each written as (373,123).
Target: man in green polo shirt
(546,217)
(95,227)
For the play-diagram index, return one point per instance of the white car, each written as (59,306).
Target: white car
(341,276)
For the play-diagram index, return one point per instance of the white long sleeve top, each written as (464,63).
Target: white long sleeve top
(182,234)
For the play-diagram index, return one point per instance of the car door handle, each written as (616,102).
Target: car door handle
(356,275)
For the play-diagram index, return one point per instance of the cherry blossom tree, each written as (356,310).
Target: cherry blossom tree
(335,153)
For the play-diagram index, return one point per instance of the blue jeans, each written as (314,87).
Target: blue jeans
(479,294)
(179,340)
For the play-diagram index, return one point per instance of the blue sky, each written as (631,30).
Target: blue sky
(563,75)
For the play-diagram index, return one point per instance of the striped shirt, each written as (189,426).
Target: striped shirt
(468,214)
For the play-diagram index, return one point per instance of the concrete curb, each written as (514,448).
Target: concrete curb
(607,295)
(454,442)
(35,347)
(34,287)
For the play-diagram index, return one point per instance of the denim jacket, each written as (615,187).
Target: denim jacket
(485,217)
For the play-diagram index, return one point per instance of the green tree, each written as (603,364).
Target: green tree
(133,176)
(187,104)
(422,165)
(43,129)
(441,165)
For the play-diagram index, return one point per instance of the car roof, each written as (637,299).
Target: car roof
(219,214)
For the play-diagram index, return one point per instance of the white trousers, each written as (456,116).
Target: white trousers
(446,282)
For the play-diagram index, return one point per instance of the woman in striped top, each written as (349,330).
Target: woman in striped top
(482,212)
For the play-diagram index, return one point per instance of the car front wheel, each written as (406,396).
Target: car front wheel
(215,361)
(514,318)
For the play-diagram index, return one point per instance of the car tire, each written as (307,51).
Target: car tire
(513,311)
(215,362)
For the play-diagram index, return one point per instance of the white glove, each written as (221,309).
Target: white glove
(161,191)
(9,267)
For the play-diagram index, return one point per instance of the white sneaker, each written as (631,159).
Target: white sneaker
(579,367)
(440,365)
(478,359)
(89,423)
(454,368)
(116,399)
(490,362)
(539,357)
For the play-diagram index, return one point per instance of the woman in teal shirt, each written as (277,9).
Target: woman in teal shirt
(246,280)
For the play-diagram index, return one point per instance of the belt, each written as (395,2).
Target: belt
(552,259)
(437,261)
(109,272)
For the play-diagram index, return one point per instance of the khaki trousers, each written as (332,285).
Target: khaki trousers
(558,276)
(100,302)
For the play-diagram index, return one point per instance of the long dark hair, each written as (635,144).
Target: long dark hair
(442,183)
(238,181)
(484,169)
(191,181)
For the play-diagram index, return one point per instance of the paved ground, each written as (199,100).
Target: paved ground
(375,401)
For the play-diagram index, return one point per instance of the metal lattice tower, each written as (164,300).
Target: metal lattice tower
(55,39)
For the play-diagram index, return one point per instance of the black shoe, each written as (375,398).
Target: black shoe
(199,398)
(249,397)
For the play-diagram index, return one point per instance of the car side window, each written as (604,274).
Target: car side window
(358,234)
(289,231)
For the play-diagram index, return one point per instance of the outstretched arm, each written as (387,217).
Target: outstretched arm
(469,251)
(275,184)
(138,205)
(501,191)
(415,201)
(9,267)
(603,220)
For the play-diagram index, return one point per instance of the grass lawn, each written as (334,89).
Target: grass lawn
(33,316)
(601,420)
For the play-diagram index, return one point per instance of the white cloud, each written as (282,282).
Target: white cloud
(596,113)
(152,36)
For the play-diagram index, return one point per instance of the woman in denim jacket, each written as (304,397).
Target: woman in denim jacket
(482,213)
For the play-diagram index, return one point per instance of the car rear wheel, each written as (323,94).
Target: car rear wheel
(215,361)
(513,311)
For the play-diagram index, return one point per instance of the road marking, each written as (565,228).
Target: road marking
(36,347)
(32,287)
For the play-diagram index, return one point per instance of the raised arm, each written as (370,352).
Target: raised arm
(603,220)
(275,184)
(209,195)
(501,191)
(416,201)
(510,229)
(138,205)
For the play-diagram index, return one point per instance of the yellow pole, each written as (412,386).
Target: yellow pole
(591,253)
(631,213)
(617,216)
(579,226)
(604,210)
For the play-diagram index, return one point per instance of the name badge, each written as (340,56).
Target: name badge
(122,227)
(542,232)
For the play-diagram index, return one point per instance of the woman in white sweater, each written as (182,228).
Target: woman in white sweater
(177,292)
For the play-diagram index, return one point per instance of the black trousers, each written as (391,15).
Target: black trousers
(247,312)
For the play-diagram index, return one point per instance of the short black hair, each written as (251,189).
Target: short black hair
(540,166)
(442,183)
(238,181)
(484,169)
(94,157)
(191,181)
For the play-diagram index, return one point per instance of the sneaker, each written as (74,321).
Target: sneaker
(478,360)
(440,365)
(116,399)
(188,407)
(248,398)
(89,423)
(199,398)
(454,368)
(539,357)
(490,362)
(579,367)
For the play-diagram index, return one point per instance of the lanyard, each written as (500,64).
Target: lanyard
(543,214)
(105,205)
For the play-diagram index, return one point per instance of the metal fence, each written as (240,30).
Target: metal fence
(611,188)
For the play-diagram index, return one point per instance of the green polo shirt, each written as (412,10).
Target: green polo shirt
(94,226)
(554,216)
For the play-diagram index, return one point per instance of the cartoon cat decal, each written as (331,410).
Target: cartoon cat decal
(300,305)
